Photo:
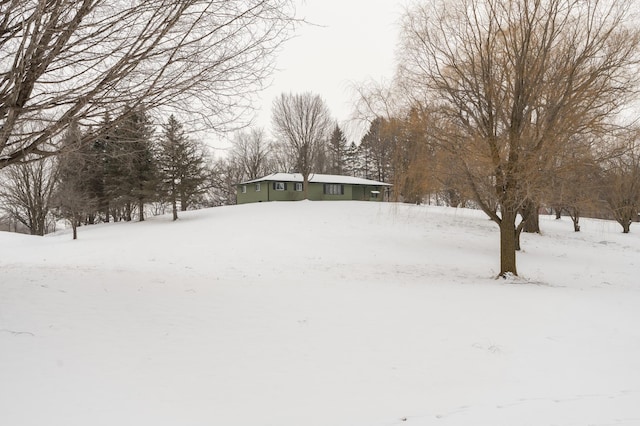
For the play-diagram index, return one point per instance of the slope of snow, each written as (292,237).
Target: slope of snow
(319,313)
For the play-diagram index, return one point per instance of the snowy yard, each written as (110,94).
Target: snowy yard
(320,314)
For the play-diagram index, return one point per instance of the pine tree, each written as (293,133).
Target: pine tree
(351,161)
(181,166)
(337,152)
(131,170)
(73,195)
(377,146)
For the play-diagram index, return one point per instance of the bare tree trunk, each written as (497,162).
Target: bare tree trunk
(531,217)
(174,205)
(558,211)
(518,234)
(128,211)
(574,213)
(626,226)
(508,244)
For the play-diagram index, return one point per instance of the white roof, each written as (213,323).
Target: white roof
(317,178)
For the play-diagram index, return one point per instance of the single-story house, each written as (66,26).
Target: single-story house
(288,187)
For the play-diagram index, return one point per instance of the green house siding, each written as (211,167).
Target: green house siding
(252,195)
(358,193)
(316,192)
(288,194)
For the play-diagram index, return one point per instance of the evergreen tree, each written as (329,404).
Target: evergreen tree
(181,166)
(337,152)
(93,160)
(130,169)
(73,195)
(377,147)
(351,161)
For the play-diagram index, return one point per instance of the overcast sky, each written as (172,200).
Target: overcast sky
(354,41)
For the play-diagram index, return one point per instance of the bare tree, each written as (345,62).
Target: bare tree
(621,186)
(516,80)
(574,184)
(303,122)
(26,194)
(78,60)
(251,152)
(225,175)
(281,157)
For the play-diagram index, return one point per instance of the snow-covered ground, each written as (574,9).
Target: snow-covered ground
(319,314)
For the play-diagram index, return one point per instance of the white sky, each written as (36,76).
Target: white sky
(353,41)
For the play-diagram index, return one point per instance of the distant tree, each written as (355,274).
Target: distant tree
(364,161)
(281,158)
(379,143)
(336,154)
(302,122)
(413,163)
(72,196)
(225,175)
(95,165)
(26,194)
(351,160)
(321,157)
(574,184)
(131,178)
(621,185)
(181,164)
(251,151)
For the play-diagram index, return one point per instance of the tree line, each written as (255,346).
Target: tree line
(114,178)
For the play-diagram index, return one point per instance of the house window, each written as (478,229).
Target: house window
(297,186)
(374,194)
(333,189)
(244,189)
(257,187)
(280,186)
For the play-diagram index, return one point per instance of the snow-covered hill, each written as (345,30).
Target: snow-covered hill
(319,314)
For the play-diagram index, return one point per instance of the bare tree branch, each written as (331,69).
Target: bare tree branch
(67,60)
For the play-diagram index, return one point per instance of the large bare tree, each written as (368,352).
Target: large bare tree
(303,122)
(80,60)
(514,80)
